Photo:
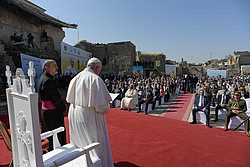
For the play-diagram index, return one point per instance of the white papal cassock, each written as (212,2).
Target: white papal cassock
(89,100)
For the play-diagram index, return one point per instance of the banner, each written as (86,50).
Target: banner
(38,64)
(245,70)
(170,70)
(137,70)
(73,59)
(158,63)
(121,72)
(216,73)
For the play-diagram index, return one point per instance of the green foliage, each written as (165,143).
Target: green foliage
(153,54)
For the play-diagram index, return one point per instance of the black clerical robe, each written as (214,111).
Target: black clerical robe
(52,107)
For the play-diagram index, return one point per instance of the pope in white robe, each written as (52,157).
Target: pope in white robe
(131,97)
(90,100)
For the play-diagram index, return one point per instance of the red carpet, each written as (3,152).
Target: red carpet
(143,140)
(154,141)
(180,108)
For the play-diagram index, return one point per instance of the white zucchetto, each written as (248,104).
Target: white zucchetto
(94,60)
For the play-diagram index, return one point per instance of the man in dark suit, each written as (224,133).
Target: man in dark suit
(147,98)
(156,95)
(201,103)
(222,101)
(52,104)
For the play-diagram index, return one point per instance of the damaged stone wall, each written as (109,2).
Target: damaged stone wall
(117,58)
(14,20)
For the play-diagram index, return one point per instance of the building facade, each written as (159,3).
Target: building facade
(153,64)
(239,58)
(18,19)
(117,58)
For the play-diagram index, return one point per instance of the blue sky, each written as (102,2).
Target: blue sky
(196,30)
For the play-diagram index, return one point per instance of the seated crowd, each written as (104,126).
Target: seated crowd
(227,94)
(135,91)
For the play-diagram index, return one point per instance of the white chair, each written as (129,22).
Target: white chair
(162,100)
(235,121)
(157,103)
(68,155)
(117,103)
(222,113)
(143,107)
(201,117)
(133,106)
(25,129)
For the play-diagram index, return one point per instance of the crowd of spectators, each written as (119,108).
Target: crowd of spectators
(139,90)
(222,93)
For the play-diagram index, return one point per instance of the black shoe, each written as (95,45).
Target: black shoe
(208,125)
(146,113)
(193,122)
(216,119)
(121,108)
(129,109)
(138,111)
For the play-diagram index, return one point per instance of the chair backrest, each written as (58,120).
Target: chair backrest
(24,121)
(6,135)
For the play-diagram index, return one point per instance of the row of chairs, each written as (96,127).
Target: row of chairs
(117,104)
(234,121)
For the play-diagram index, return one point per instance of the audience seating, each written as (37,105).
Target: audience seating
(222,114)
(162,100)
(133,106)
(117,103)
(201,117)
(157,103)
(235,121)
(143,107)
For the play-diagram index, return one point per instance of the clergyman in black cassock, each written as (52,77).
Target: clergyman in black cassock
(52,104)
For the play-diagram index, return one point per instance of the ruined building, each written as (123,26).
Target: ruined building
(117,58)
(239,58)
(18,19)
(153,64)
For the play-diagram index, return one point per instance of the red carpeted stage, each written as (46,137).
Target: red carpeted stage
(143,140)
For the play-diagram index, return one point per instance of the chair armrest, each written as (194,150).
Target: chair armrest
(53,133)
(69,155)
(77,153)
(91,146)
